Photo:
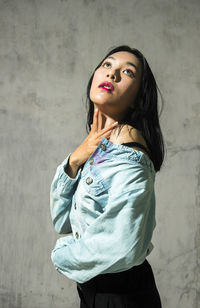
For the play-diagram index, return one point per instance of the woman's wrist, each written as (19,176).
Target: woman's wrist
(71,168)
(74,162)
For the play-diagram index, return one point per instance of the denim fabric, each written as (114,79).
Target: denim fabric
(109,209)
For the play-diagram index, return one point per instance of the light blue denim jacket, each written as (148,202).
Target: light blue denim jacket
(109,209)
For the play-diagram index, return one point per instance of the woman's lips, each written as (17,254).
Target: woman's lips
(108,90)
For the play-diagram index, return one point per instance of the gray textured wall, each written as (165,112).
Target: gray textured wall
(48,50)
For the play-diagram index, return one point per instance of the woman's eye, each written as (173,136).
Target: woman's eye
(130,71)
(106,63)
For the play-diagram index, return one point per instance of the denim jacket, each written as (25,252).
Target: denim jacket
(109,209)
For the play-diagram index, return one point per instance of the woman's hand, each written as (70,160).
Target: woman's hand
(87,147)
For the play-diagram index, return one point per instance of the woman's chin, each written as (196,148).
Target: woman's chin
(103,106)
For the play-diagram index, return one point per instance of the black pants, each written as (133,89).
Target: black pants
(133,288)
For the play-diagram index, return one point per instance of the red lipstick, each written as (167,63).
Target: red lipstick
(107,86)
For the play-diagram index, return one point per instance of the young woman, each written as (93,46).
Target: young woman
(103,192)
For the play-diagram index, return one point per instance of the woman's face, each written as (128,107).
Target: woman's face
(123,70)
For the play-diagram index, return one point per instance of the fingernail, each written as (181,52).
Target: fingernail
(96,109)
(115,123)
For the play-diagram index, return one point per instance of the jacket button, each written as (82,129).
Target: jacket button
(77,235)
(89,180)
(75,206)
(91,161)
(103,147)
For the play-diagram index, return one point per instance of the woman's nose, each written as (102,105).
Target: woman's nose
(111,75)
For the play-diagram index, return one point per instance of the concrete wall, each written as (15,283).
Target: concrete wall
(48,50)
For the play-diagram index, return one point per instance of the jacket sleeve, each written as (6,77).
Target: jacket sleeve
(115,241)
(61,194)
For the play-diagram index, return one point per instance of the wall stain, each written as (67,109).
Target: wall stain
(197,238)
(87,2)
(3,111)
(9,299)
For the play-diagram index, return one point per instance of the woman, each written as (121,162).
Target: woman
(103,192)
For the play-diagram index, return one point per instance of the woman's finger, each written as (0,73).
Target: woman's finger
(110,127)
(95,120)
(99,120)
(106,135)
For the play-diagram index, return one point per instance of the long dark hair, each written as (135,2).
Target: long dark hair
(144,115)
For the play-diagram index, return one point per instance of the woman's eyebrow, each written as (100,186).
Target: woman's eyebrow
(129,63)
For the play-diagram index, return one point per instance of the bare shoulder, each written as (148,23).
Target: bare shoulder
(127,133)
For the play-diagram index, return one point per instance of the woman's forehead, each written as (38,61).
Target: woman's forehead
(123,55)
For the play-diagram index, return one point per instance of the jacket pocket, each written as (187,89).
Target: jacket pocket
(93,183)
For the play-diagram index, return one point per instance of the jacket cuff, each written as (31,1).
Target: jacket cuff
(64,177)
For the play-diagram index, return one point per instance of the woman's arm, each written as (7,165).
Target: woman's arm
(62,190)
(120,237)
(66,178)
